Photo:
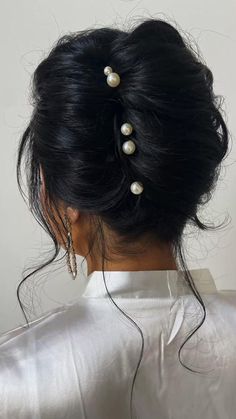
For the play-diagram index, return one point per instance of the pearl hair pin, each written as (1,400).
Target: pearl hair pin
(128,147)
(113,79)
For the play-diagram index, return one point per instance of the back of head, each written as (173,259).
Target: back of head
(166,94)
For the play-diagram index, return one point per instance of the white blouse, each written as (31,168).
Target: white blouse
(78,361)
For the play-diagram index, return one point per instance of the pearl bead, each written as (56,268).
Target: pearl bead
(107,70)
(136,188)
(113,79)
(128,147)
(126,128)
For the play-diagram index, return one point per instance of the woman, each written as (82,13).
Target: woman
(124,146)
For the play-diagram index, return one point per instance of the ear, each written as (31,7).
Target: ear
(73,214)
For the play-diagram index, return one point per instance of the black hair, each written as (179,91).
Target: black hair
(166,93)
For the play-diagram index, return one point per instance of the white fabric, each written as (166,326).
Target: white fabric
(78,361)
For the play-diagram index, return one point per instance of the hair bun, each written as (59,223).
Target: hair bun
(156,30)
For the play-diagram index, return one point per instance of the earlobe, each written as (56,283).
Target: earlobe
(73,214)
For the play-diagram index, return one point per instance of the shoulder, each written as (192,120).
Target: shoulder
(81,323)
(60,357)
(57,318)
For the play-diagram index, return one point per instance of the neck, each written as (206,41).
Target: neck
(153,258)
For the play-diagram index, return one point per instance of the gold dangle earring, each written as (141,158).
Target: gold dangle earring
(71,259)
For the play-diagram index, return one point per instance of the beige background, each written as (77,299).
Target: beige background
(28,29)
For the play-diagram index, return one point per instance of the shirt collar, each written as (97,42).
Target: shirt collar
(147,284)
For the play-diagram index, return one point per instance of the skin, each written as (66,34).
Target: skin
(157,256)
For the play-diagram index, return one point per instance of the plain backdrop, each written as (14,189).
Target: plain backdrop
(28,29)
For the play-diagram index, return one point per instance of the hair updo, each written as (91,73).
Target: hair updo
(165,92)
